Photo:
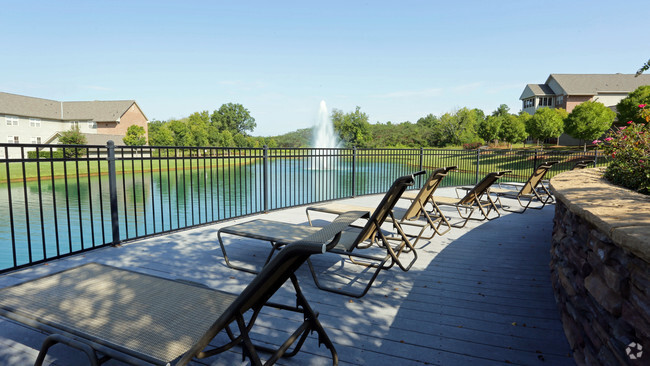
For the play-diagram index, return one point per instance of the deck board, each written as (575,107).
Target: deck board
(477,295)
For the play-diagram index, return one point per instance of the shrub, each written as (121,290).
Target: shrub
(629,147)
(472,145)
(57,154)
(73,137)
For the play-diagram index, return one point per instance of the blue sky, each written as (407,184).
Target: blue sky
(398,61)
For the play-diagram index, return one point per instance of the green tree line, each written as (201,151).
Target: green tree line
(228,126)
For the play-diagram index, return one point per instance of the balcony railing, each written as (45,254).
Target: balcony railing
(65,199)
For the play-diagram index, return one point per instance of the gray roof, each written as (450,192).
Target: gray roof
(99,139)
(592,84)
(541,89)
(98,111)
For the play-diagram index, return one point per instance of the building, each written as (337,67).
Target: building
(568,90)
(40,121)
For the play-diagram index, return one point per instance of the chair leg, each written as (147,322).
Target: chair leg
(53,339)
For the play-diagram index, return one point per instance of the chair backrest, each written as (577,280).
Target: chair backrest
(481,187)
(274,274)
(385,207)
(536,177)
(582,164)
(430,186)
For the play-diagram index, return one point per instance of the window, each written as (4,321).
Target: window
(36,140)
(11,120)
(92,124)
(13,139)
(529,103)
(75,124)
(34,122)
(545,102)
(559,100)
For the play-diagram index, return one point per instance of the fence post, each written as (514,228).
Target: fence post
(478,162)
(535,161)
(112,189)
(354,170)
(265,177)
(595,157)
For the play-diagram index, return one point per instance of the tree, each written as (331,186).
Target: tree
(467,121)
(628,108)
(513,128)
(488,129)
(234,118)
(353,128)
(181,133)
(644,67)
(197,124)
(160,134)
(503,110)
(73,137)
(546,123)
(135,136)
(240,140)
(589,120)
(429,121)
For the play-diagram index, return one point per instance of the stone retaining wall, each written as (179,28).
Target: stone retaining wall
(600,268)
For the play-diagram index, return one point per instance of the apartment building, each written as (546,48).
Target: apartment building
(568,90)
(29,120)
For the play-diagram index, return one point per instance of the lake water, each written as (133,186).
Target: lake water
(72,215)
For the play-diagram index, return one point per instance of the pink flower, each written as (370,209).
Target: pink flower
(629,122)
(596,142)
(609,138)
(621,128)
(642,105)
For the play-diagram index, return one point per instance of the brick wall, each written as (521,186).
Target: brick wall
(133,116)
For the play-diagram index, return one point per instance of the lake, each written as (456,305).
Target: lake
(55,217)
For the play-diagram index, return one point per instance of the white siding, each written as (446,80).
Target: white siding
(26,132)
(609,99)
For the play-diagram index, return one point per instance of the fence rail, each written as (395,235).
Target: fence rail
(68,199)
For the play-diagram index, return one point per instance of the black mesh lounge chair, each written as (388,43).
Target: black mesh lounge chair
(410,216)
(280,233)
(581,164)
(142,319)
(529,191)
(476,197)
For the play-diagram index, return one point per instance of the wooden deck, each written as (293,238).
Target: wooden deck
(480,295)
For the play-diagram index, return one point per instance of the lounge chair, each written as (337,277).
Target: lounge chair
(142,319)
(409,216)
(531,190)
(581,164)
(280,233)
(475,198)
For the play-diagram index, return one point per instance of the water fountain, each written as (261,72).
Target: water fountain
(324,135)
(323,138)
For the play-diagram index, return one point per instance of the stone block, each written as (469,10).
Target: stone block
(613,353)
(631,315)
(566,284)
(614,279)
(604,296)
(572,331)
(641,302)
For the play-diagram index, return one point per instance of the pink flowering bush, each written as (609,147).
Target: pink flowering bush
(629,147)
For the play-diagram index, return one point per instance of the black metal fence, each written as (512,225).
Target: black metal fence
(65,199)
